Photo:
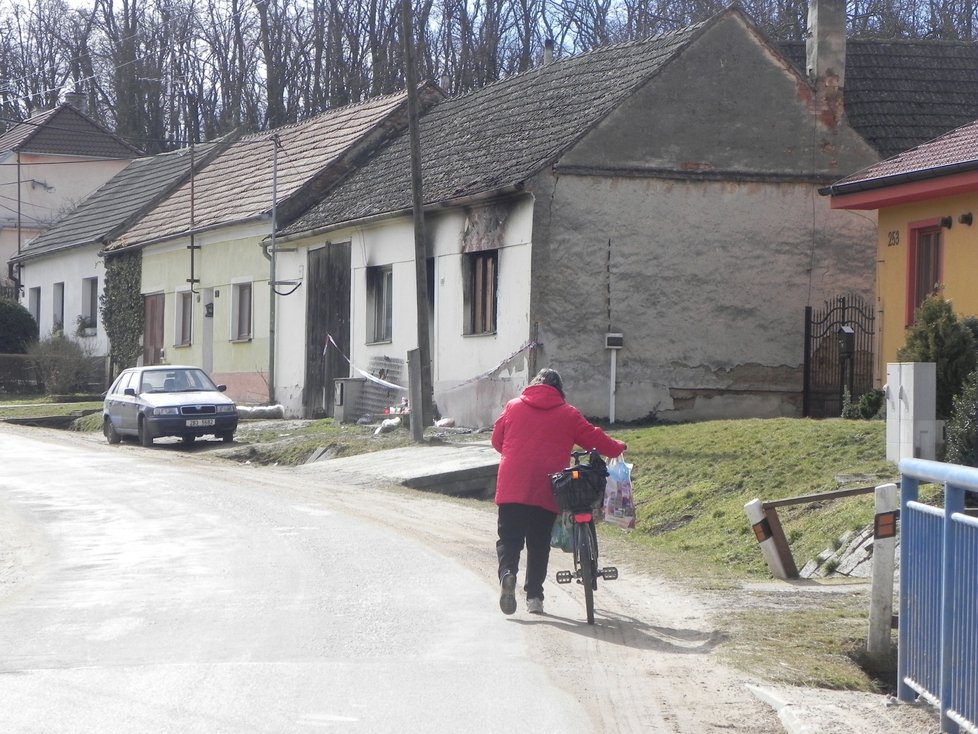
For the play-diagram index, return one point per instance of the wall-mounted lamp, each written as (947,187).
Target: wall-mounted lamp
(946,222)
(965,219)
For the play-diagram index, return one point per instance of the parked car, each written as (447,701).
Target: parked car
(167,400)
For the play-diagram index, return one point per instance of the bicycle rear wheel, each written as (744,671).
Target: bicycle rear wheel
(584,549)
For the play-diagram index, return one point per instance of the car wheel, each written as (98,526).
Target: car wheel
(227,436)
(188,440)
(145,437)
(109,431)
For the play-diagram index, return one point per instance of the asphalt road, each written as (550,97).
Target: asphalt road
(153,591)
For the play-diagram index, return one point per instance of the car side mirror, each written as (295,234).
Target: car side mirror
(222,388)
(129,391)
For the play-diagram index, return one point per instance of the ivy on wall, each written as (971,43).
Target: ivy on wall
(121,307)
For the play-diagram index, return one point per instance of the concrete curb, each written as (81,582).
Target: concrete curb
(801,719)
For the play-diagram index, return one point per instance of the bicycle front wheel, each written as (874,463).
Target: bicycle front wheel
(585,548)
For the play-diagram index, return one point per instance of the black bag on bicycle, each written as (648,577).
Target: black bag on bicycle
(580,487)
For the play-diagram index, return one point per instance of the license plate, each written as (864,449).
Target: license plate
(199,422)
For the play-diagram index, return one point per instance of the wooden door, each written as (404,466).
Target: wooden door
(153,328)
(327,315)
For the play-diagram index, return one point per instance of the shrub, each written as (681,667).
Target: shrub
(961,431)
(61,363)
(17,328)
(938,336)
(870,406)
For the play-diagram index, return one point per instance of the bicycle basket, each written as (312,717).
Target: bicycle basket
(578,488)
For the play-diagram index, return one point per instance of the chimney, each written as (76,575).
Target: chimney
(826,55)
(548,51)
(77,100)
(826,44)
(444,81)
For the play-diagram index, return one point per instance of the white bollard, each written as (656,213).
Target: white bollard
(884,563)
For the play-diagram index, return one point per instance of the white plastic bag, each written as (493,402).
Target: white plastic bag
(619,503)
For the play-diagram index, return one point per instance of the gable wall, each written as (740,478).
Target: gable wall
(59,189)
(727,105)
(689,220)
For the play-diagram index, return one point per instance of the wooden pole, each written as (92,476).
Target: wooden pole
(423,411)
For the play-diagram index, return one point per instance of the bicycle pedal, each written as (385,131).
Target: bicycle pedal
(609,573)
(564,577)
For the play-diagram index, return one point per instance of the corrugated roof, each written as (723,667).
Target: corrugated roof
(502,134)
(901,93)
(238,185)
(105,214)
(65,131)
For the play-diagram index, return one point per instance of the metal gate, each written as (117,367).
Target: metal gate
(838,354)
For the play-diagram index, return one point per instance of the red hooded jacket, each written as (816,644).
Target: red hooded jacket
(535,434)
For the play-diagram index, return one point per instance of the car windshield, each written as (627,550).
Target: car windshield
(176,380)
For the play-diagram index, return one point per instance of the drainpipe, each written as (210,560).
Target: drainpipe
(272,274)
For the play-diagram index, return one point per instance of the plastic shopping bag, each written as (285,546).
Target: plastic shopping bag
(562,536)
(619,503)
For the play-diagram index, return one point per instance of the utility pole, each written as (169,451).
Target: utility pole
(421,415)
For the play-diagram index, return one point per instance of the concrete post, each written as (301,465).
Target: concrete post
(770,537)
(884,562)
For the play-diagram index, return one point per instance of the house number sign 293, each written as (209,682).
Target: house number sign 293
(893,238)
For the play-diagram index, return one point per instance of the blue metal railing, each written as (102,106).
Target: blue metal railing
(938,650)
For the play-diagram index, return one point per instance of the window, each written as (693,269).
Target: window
(89,313)
(925,272)
(58,307)
(241,312)
(184,318)
(480,292)
(34,303)
(380,309)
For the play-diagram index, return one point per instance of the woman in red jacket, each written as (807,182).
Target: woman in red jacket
(535,435)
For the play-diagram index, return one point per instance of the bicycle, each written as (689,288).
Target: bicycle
(578,489)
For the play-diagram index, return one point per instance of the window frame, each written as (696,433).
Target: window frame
(380,303)
(924,235)
(239,334)
(183,320)
(89,302)
(58,307)
(481,294)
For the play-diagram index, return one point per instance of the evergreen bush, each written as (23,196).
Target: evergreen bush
(17,328)
(938,335)
(961,431)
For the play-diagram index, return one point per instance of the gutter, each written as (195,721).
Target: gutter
(897,179)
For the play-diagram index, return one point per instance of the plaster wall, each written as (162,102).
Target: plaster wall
(707,281)
(893,263)
(228,255)
(47,192)
(71,267)
(457,358)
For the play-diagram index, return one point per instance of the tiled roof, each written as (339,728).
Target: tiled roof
(237,186)
(65,131)
(106,213)
(502,134)
(899,94)
(950,153)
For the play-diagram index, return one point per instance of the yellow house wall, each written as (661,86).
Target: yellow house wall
(226,257)
(960,260)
